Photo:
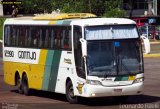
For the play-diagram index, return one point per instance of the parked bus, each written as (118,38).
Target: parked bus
(73,54)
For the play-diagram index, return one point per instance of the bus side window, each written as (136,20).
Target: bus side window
(70,39)
(52,38)
(26,36)
(46,43)
(21,41)
(7,35)
(41,39)
(66,39)
(49,38)
(23,36)
(17,36)
(14,36)
(79,62)
(11,36)
(36,36)
(16,33)
(58,38)
(77,36)
(29,38)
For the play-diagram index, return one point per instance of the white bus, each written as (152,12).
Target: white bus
(73,54)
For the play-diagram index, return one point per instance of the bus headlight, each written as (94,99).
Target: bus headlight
(93,82)
(138,80)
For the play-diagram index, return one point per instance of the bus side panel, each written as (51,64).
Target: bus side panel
(65,70)
(8,74)
(51,70)
(35,76)
(10,69)
(34,72)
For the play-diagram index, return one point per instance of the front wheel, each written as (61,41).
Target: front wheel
(70,93)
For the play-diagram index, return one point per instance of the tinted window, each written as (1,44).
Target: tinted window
(52,37)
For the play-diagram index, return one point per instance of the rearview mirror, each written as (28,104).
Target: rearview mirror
(146,44)
(84,47)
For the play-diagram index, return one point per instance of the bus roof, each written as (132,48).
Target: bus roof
(102,21)
(74,19)
(60,16)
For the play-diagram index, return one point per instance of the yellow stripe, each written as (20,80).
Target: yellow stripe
(37,79)
(37,71)
(52,22)
(151,55)
(58,16)
(43,56)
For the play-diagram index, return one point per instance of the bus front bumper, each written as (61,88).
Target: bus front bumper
(101,91)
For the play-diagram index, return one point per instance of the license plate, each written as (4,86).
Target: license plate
(117,90)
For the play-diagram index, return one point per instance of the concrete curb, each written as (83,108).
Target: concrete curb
(152,55)
(154,42)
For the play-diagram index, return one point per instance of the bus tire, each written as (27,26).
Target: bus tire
(19,84)
(70,93)
(25,86)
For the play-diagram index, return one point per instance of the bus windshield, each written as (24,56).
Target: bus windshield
(115,56)
(119,57)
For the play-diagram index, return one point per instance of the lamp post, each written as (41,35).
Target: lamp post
(155,7)
(152,7)
(1,9)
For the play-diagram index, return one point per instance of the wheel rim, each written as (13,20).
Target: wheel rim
(71,92)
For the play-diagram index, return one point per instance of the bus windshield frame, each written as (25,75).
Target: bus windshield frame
(113,57)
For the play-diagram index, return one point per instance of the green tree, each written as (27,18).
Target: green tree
(69,6)
(37,6)
(114,8)
(107,8)
(97,7)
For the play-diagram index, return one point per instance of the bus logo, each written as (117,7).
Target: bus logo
(68,61)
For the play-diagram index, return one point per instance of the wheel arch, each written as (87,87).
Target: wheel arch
(23,74)
(67,80)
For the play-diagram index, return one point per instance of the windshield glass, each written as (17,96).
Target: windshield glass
(100,58)
(114,57)
(111,32)
(113,50)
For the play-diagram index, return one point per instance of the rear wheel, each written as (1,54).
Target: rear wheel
(19,84)
(25,87)
(70,93)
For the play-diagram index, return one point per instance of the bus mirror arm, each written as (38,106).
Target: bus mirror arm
(84,47)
